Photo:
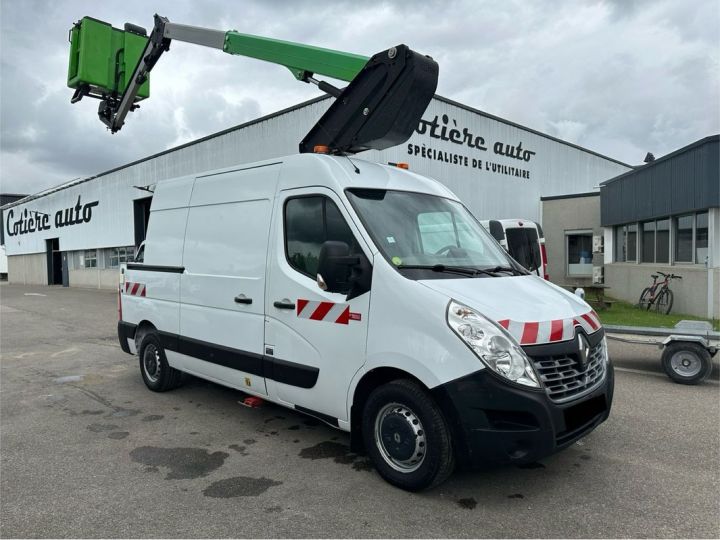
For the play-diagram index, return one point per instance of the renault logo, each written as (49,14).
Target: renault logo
(583,350)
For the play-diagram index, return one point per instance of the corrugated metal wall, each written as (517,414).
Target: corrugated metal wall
(499,169)
(684,181)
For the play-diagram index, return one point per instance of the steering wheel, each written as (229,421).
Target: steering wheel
(445,248)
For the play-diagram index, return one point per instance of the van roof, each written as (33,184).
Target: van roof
(339,173)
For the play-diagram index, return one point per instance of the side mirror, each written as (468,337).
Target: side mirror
(334,265)
(340,272)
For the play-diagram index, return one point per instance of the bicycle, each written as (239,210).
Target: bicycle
(658,294)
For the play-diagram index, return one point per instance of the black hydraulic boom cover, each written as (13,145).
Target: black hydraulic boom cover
(381,106)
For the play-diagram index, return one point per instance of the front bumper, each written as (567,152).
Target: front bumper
(494,422)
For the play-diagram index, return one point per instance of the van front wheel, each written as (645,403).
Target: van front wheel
(407,436)
(154,368)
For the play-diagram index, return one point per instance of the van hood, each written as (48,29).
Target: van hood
(532,309)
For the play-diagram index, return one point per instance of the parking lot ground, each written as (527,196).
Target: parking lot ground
(87,451)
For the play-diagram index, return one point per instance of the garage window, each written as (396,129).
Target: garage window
(626,243)
(684,238)
(90,257)
(701,238)
(662,241)
(579,253)
(648,242)
(117,256)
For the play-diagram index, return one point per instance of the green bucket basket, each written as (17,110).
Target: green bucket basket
(102,58)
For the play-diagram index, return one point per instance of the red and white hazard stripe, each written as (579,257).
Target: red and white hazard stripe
(134,289)
(323,311)
(533,333)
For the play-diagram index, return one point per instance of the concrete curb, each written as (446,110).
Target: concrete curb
(657,331)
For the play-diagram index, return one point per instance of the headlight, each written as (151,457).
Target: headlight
(605,351)
(492,344)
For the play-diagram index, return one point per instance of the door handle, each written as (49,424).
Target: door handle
(242,299)
(284,304)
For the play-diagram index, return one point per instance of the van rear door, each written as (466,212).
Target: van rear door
(524,246)
(222,291)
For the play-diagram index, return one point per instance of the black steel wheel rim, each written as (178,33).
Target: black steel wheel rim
(151,363)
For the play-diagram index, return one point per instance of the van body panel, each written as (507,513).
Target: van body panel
(164,243)
(507,298)
(404,332)
(239,184)
(222,290)
(172,193)
(335,349)
(159,304)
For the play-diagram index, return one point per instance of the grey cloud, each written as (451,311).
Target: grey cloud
(621,78)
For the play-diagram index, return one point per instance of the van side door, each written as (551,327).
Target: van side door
(222,291)
(315,340)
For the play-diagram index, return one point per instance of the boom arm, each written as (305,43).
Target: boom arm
(405,78)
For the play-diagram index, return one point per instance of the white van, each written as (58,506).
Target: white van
(370,298)
(523,239)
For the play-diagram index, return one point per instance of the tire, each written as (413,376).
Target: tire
(687,362)
(644,302)
(664,301)
(401,421)
(156,373)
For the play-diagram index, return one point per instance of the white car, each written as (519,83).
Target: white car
(370,298)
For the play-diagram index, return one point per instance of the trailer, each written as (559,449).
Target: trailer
(687,349)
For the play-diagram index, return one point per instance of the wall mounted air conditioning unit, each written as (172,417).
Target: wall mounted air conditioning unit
(598,274)
(598,243)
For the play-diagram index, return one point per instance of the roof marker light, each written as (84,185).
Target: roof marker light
(321,149)
(399,165)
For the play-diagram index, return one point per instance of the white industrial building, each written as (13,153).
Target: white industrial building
(78,233)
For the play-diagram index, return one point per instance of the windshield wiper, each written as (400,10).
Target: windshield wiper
(513,271)
(462,270)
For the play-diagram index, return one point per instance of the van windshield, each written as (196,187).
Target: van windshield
(524,247)
(416,229)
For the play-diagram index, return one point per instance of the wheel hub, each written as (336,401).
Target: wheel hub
(151,363)
(685,363)
(400,437)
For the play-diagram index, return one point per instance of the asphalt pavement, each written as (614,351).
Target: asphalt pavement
(87,451)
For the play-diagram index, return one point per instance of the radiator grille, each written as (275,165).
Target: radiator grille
(565,378)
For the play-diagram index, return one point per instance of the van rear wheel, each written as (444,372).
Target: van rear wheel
(407,436)
(154,368)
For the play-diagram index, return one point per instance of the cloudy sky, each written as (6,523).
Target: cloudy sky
(619,77)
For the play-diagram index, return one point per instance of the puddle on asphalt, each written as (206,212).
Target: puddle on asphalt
(340,453)
(468,503)
(184,463)
(239,486)
(324,450)
(97,428)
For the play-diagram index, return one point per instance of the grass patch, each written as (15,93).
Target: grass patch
(626,314)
